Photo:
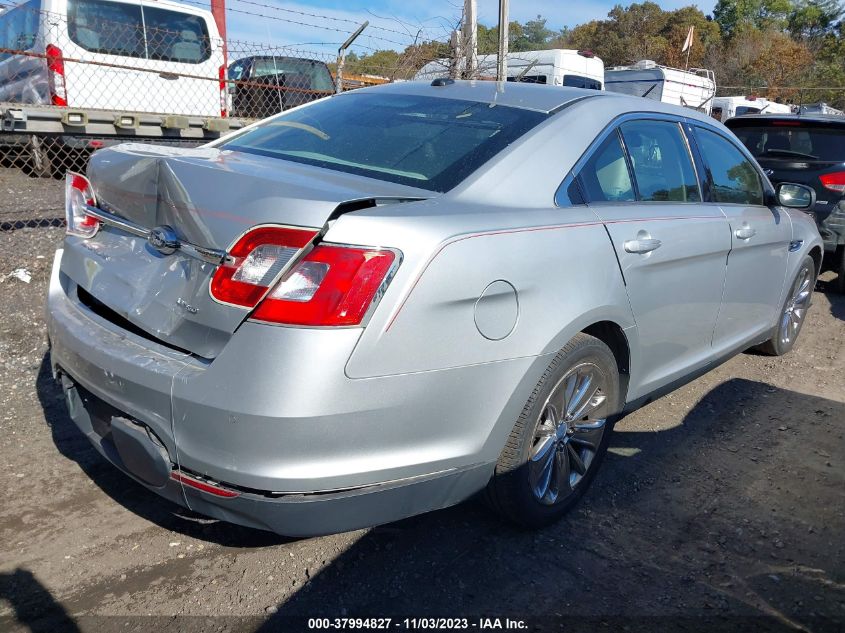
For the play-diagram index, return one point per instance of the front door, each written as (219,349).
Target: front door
(760,244)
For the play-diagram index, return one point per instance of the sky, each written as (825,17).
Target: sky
(321,25)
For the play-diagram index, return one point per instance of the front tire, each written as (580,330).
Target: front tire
(793,312)
(561,437)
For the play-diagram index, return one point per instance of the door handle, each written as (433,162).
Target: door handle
(745,233)
(642,245)
(170,76)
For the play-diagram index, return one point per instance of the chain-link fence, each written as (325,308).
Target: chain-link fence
(105,72)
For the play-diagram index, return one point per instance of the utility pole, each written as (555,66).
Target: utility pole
(470,38)
(341,55)
(502,65)
(457,42)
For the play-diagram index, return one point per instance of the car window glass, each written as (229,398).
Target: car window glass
(577,81)
(18,27)
(779,141)
(735,180)
(605,177)
(133,30)
(661,161)
(175,36)
(428,142)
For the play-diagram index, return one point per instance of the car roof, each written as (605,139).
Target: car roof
(528,96)
(762,118)
(531,96)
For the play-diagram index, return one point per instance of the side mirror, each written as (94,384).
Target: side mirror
(794,196)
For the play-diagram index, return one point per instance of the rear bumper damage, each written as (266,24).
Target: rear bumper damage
(275,420)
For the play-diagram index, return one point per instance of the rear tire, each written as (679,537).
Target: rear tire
(561,437)
(793,312)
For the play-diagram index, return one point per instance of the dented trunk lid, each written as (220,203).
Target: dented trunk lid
(210,197)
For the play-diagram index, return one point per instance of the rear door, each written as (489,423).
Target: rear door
(760,241)
(671,248)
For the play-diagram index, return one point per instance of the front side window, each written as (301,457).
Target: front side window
(661,162)
(427,142)
(605,177)
(735,180)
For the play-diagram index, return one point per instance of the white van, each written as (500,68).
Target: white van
(693,88)
(726,107)
(153,56)
(556,67)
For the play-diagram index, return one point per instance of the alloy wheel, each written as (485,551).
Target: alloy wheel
(796,308)
(568,433)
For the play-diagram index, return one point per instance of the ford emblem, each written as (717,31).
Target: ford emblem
(163,239)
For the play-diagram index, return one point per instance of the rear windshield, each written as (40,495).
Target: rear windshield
(427,142)
(793,139)
(134,30)
(302,73)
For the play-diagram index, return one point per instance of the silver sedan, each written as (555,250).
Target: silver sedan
(384,302)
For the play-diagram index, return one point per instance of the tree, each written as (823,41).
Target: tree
(736,15)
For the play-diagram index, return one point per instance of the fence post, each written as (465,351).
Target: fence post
(341,56)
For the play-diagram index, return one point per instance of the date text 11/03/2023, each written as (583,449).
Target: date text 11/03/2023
(415,624)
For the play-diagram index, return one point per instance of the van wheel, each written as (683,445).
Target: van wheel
(561,437)
(794,311)
(40,158)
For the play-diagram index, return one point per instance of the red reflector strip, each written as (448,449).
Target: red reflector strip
(787,123)
(201,485)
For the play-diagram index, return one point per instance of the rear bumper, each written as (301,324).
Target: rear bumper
(274,417)
(293,514)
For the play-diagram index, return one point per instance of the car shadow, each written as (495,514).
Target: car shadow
(724,522)
(73,445)
(837,300)
(34,607)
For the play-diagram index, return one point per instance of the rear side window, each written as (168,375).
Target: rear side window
(531,79)
(577,81)
(734,178)
(134,30)
(605,177)
(428,142)
(661,162)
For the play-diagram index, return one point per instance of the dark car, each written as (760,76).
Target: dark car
(262,86)
(807,149)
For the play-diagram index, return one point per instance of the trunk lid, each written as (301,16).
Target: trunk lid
(210,197)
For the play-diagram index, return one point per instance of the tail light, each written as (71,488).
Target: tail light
(224,99)
(834,182)
(255,262)
(331,286)
(78,193)
(56,68)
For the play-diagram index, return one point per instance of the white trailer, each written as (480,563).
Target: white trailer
(555,67)
(725,108)
(693,88)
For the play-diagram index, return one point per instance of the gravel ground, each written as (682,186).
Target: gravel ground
(720,507)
